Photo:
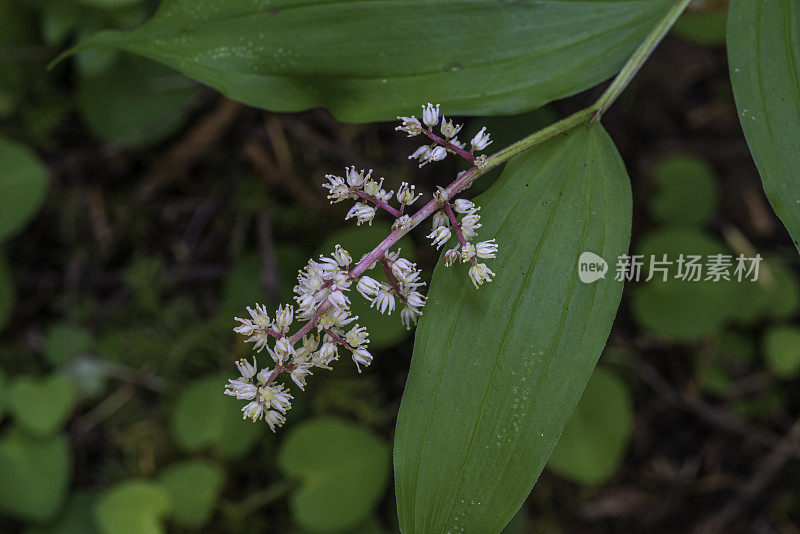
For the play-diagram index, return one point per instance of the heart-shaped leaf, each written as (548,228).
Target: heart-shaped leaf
(34,474)
(77,517)
(41,405)
(132,507)
(764,59)
(594,441)
(23,184)
(64,341)
(193,487)
(344,470)
(476,57)
(204,417)
(496,372)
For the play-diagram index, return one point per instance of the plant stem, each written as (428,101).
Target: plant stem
(378,202)
(637,59)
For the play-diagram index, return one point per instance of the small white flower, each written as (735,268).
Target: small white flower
(486,249)
(440,218)
(342,257)
(362,213)
(253,410)
(277,397)
(263,375)
(437,154)
(411,126)
(405,194)
(339,300)
(416,299)
(326,354)
(361,356)
(274,419)
(356,178)
(403,222)
(481,140)
(469,225)
(299,374)
(467,252)
(284,317)
(462,205)
(439,236)
(357,336)
(401,268)
(384,300)
(240,389)
(430,115)
(451,256)
(409,316)
(283,352)
(449,130)
(337,188)
(421,153)
(368,287)
(245,369)
(479,274)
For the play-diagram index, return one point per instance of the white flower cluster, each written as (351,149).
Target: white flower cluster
(270,401)
(323,285)
(404,281)
(439,149)
(446,224)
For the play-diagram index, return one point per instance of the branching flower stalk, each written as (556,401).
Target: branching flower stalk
(322,284)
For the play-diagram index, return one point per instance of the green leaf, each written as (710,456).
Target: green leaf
(132,507)
(682,310)
(193,487)
(344,470)
(135,102)
(687,190)
(703,27)
(594,442)
(203,416)
(23,184)
(77,518)
(473,57)
(34,474)
(764,59)
(7,297)
(782,350)
(384,330)
(65,341)
(41,405)
(496,372)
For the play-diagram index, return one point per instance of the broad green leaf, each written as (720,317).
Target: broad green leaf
(702,27)
(496,372)
(782,351)
(23,184)
(372,60)
(34,474)
(764,60)
(384,330)
(343,469)
(41,405)
(595,439)
(135,102)
(686,190)
(203,416)
(132,507)
(193,487)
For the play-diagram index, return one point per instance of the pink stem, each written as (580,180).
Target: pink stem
(449,146)
(337,338)
(454,223)
(378,202)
